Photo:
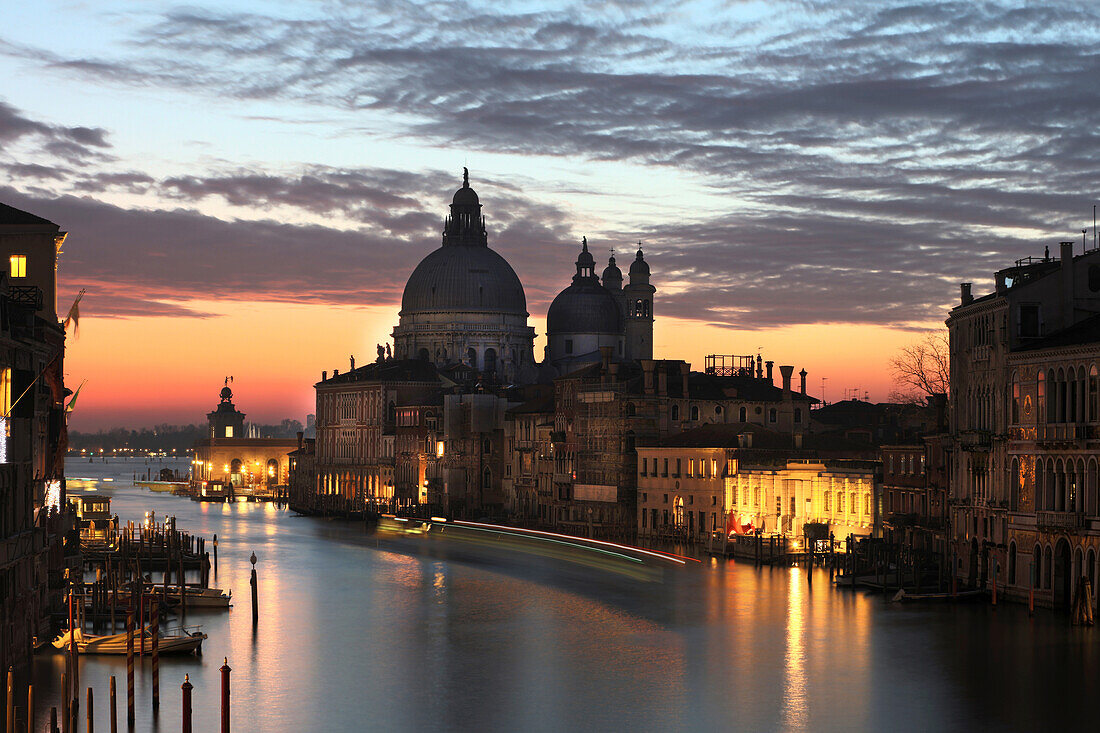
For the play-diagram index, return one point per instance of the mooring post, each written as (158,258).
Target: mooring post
(53,719)
(91,717)
(156,657)
(10,717)
(186,689)
(114,707)
(225,695)
(1031,590)
(141,616)
(215,556)
(72,647)
(255,592)
(130,668)
(64,703)
(30,708)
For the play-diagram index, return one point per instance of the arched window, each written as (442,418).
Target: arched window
(1094,394)
(798,416)
(1012,563)
(638,307)
(1015,398)
(490,360)
(487,478)
(1014,485)
(1040,397)
(424,355)
(471,357)
(1037,567)
(628,442)
(645,308)
(391,412)
(772,414)
(694,412)
(675,412)
(717,409)
(743,415)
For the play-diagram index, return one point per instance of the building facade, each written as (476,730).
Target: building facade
(38,548)
(1015,403)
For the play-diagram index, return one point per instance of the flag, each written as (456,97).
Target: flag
(74,315)
(72,402)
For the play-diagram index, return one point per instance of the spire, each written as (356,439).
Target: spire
(586,265)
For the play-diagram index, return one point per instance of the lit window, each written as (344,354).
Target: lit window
(229,431)
(18,265)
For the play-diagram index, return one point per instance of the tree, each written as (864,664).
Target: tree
(922,369)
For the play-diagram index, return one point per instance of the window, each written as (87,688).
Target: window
(1015,398)
(743,415)
(798,416)
(691,468)
(677,474)
(714,501)
(569,346)
(229,431)
(771,415)
(675,412)
(18,265)
(828,496)
(664,470)
(694,412)
(778,505)
(840,502)
(1040,396)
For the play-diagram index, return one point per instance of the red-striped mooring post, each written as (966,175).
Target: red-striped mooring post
(225,695)
(186,688)
(130,668)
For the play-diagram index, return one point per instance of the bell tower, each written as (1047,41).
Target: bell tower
(638,298)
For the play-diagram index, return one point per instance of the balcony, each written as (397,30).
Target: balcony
(1059,520)
(1059,433)
(975,440)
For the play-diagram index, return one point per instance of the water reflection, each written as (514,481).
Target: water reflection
(357,632)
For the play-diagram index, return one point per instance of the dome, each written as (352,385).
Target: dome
(584,307)
(639,266)
(464,279)
(465,196)
(226,394)
(612,276)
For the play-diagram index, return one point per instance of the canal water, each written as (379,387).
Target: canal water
(357,633)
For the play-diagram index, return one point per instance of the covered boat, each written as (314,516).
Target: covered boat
(171,641)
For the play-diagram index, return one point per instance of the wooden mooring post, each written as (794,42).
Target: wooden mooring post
(225,670)
(130,668)
(255,593)
(185,689)
(114,707)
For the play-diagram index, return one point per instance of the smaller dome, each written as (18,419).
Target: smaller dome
(585,259)
(612,276)
(639,266)
(226,394)
(584,307)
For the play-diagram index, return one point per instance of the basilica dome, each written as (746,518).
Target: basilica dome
(585,306)
(463,279)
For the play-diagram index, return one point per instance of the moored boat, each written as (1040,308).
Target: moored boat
(179,640)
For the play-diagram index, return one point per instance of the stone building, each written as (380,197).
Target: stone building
(228,458)
(35,516)
(999,347)
(740,478)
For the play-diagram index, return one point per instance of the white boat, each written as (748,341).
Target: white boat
(171,641)
(196,597)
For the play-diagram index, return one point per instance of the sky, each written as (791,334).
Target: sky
(247,185)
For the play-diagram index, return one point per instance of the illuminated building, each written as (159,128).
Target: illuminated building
(34,512)
(1022,427)
(740,477)
(230,458)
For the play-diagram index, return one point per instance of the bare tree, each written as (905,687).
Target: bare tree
(922,369)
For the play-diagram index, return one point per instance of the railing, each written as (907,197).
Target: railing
(1061,432)
(28,295)
(1060,520)
(970,439)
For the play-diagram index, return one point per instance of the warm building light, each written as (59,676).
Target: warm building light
(18,265)
(53,495)
(439,449)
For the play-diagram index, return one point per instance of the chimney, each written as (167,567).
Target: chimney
(1067,284)
(300,436)
(769,365)
(662,380)
(647,375)
(335,373)
(1001,287)
(684,374)
(802,376)
(967,298)
(324,375)
(758,372)
(744,440)
(787,372)
(605,357)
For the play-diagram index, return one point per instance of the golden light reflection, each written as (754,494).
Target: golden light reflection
(794,712)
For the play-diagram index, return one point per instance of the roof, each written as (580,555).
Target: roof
(464,279)
(391,370)
(727,435)
(584,307)
(11,216)
(536,405)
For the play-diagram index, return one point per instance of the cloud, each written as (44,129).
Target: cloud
(77,145)
(873,154)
